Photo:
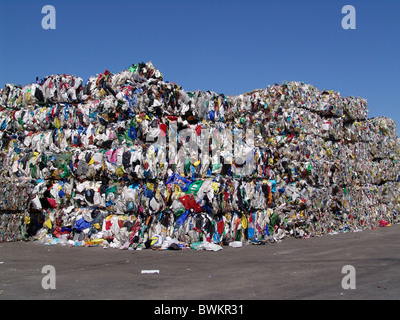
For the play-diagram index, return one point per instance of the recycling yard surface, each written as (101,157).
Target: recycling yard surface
(292,269)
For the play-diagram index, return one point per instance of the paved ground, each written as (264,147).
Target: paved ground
(292,269)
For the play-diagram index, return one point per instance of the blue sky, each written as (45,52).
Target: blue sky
(229,47)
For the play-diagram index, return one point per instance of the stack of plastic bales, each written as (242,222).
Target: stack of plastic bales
(129,160)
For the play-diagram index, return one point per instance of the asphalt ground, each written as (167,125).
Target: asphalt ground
(295,269)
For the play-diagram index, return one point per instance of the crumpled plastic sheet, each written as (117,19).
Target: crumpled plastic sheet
(96,159)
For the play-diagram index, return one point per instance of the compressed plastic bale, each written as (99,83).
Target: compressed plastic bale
(12,96)
(296,151)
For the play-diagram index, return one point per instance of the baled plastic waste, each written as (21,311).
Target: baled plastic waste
(129,161)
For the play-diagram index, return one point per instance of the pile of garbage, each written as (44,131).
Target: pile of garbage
(128,160)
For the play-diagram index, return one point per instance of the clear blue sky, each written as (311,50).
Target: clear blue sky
(227,46)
